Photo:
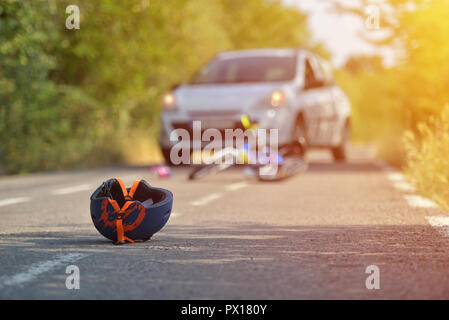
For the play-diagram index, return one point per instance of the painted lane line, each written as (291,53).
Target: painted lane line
(39,268)
(82,187)
(10,201)
(420,202)
(236,186)
(404,186)
(207,199)
(441,223)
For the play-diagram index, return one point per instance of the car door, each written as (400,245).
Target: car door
(331,119)
(317,104)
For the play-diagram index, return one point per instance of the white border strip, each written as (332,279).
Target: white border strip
(404,186)
(419,202)
(441,223)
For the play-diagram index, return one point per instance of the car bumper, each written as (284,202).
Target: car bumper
(266,119)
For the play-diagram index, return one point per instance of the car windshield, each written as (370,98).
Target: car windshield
(247,69)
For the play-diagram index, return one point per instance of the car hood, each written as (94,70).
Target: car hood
(226,98)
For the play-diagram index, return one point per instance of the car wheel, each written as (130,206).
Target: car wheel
(340,152)
(166,155)
(299,142)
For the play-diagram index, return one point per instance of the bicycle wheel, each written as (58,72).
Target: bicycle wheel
(289,167)
(200,171)
(207,169)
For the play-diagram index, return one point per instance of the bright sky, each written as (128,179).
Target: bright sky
(339,33)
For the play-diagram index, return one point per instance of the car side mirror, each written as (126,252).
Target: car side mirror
(175,86)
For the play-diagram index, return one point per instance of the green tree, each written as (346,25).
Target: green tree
(26,95)
(43,125)
(415,88)
(84,97)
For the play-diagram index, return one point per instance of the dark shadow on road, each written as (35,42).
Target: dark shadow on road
(244,261)
(344,166)
(313,167)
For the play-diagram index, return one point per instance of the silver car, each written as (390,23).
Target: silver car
(292,90)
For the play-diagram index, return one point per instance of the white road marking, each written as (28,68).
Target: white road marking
(9,201)
(419,202)
(82,187)
(441,223)
(236,186)
(396,176)
(174,214)
(207,199)
(39,268)
(404,186)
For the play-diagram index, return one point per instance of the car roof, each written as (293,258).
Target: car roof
(257,53)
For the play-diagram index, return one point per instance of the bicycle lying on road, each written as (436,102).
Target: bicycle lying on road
(266,166)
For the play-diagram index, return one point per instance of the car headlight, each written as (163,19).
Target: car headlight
(277,98)
(169,102)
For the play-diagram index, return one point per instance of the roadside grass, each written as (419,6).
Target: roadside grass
(427,158)
(141,148)
(390,148)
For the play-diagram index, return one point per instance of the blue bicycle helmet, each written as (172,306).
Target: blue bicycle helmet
(127,214)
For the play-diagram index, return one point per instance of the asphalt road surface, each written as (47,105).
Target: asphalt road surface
(231,237)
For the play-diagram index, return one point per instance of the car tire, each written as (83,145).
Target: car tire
(166,155)
(340,153)
(299,141)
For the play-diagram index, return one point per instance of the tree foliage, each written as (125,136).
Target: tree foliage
(390,101)
(73,97)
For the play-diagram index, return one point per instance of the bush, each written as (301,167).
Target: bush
(428,158)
